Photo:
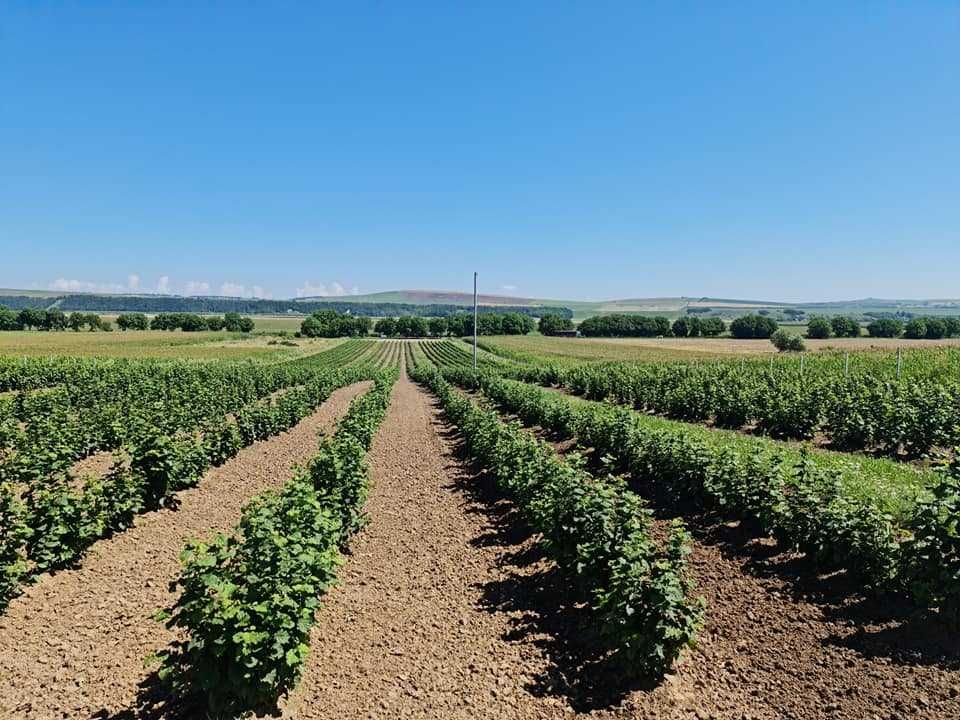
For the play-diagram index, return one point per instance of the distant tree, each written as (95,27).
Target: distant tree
(132,321)
(31,318)
(54,319)
(192,323)
(753,326)
(712,327)
(785,342)
(231,322)
(953,326)
(845,326)
(460,324)
(886,328)
(819,328)
(511,324)
(386,327)
(915,329)
(247,324)
(9,319)
(687,327)
(438,326)
(410,326)
(76,321)
(552,324)
(329,323)
(214,323)
(620,325)
(936,328)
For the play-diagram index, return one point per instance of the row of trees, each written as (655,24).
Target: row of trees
(933,328)
(188,322)
(698,327)
(458,325)
(54,319)
(329,323)
(625,326)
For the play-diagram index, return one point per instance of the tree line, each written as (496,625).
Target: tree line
(208,305)
(55,319)
(329,323)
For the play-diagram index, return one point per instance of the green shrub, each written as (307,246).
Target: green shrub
(785,342)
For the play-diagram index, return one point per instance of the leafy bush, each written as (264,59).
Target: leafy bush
(13,536)
(785,342)
(249,599)
(932,554)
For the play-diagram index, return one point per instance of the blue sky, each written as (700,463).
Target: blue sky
(583,150)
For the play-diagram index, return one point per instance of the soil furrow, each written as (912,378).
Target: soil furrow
(781,641)
(411,631)
(74,644)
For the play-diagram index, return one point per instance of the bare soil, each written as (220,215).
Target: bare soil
(73,645)
(781,641)
(410,631)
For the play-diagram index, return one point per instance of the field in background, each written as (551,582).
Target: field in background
(652,349)
(156,344)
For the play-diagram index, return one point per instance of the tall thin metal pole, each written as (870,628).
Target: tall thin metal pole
(474,322)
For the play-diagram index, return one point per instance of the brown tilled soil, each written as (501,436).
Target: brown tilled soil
(447,609)
(782,642)
(74,644)
(409,631)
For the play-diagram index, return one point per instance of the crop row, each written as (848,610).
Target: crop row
(450,353)
(249,599)
(50,519)
(800,502)
(856,411)
(597,531)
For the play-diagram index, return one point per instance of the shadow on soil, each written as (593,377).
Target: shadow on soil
(155,702)
(547,611)
(875,626)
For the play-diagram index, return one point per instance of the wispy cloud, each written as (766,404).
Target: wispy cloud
(66,285)
(508,288)
(133,282)
(163,285)
(232,289)
(334,289)
(196,287)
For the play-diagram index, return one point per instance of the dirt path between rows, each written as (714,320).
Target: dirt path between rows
(409,632)
(74,644)
(782,642)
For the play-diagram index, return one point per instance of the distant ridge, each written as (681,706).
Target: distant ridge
(422,301)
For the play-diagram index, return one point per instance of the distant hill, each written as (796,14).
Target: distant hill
(445,302)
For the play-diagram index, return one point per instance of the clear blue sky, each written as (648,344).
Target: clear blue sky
(585,150)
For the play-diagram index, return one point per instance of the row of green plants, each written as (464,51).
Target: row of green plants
(248,599)
(853,410)
(597,531)
(43,431)
(800,502)
(52,517)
